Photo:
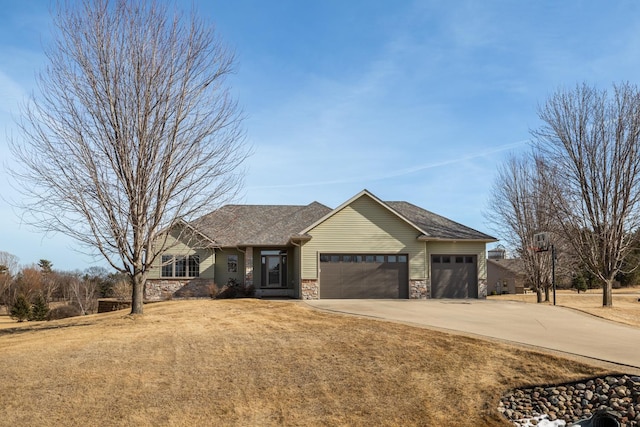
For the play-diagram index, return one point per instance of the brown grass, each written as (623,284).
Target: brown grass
(250,362)
(626,307)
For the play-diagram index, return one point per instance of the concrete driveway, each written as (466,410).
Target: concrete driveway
(553,328)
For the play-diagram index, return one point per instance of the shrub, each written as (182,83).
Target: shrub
(63,312)
(226,292)
(233,290)
(21,309)
(40,309)
(213,290)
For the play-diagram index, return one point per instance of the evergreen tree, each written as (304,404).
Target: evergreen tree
(45,265)
(579,283)
(40,309)
(21,309)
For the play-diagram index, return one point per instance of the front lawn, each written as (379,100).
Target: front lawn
(256,363)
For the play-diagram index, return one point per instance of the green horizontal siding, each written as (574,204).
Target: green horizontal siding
(174,245)
(222,271)
(364,226)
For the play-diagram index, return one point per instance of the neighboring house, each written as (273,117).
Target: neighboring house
(365,248)
(505,276)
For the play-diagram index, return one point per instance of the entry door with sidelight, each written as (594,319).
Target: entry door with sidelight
(274,269)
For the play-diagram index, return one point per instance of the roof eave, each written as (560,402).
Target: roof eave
(424,238)
(257,245)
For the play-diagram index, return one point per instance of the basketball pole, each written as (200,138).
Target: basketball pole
(553,272)
(544,247)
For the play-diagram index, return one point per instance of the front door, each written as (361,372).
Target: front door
(274,270)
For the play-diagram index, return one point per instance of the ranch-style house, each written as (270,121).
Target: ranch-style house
(364,248)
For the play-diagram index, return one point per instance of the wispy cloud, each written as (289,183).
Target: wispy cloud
(11,93)
(399,172)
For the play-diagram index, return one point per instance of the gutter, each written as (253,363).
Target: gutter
(424,238)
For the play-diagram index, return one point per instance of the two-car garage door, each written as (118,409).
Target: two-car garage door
(363,276)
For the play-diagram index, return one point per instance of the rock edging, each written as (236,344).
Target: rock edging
(572,402)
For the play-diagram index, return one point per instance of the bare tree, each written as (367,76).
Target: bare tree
(590,138)
(8,268)
(28,283)
(518,209)
(133,129)
(83,291)
(10,261)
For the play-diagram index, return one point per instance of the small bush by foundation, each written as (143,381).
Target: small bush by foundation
(234,290)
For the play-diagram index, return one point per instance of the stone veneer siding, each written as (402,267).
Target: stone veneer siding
(419,289)
(482,288)
(310,289)
(163,289)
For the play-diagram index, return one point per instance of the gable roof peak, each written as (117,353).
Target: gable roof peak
(359,195)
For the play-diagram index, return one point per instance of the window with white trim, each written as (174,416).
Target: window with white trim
(180,266)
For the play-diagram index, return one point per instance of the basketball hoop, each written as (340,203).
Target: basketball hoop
(535,249)
(541,241)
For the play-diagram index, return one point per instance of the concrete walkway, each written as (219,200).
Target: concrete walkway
(539,325)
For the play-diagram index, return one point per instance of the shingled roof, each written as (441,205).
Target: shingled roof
(276,225)
(258,225)
(436,226)
(514,265)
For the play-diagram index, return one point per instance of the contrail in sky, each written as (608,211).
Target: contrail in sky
(399,172)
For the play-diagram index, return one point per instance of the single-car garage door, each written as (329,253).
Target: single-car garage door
(454,276)
(363,276)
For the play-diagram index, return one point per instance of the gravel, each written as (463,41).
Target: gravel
(572,402)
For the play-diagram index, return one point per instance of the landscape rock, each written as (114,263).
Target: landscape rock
(619,395)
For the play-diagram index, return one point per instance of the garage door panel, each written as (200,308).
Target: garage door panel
(454,276)
(332,272)
(375,276)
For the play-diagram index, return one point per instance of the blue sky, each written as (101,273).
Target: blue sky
(412,100)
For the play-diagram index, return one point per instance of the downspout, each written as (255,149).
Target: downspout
(427,269)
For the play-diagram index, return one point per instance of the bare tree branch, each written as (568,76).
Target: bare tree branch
(133,128)
(519,209)
(591,140)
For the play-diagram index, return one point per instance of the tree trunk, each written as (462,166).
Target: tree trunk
(546,293)
(539,294)
(102,169)
(137,295)
(607,298)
